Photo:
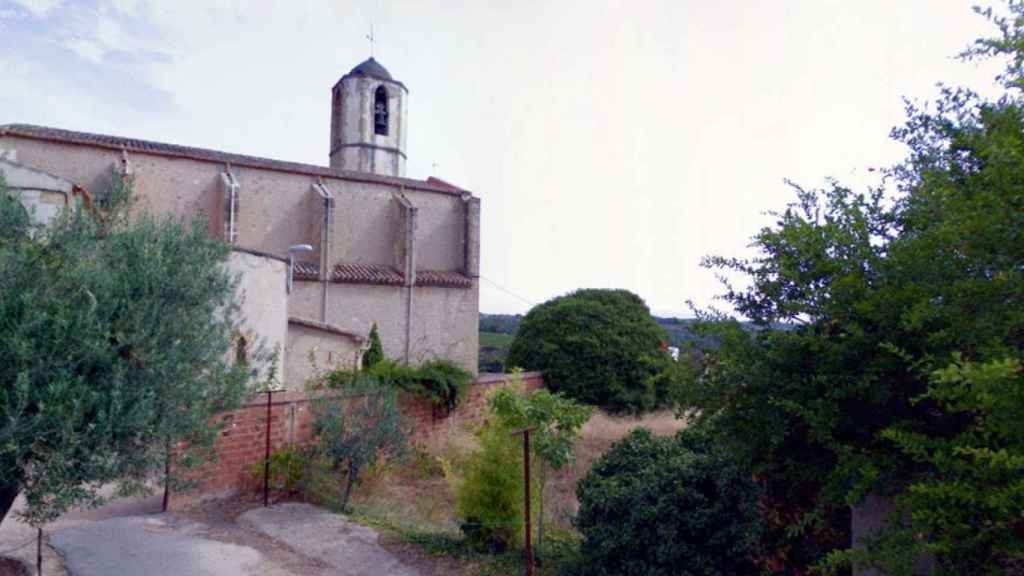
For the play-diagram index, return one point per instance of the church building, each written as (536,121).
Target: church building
(324,252)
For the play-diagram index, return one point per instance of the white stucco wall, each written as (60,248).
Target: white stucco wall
(315,352)
(43,195)
(264,305)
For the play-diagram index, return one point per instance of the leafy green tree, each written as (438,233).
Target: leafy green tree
(489,495)
(556,421)
(115,336)
(355,426)
(876,292)
(375,353)
(601,347)
(668,506)
(970,501)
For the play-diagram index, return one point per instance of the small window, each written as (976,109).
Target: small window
(380,111)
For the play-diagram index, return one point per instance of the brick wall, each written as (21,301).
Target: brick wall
(242,444)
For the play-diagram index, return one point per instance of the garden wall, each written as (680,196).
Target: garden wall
(242,443)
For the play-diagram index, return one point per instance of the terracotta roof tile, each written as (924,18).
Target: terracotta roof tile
(163,149)
(367,274)
(306,271)
(443,279)
(346,273)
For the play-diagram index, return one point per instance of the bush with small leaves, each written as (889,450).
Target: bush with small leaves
(442,382)
(600,347)
(661,506)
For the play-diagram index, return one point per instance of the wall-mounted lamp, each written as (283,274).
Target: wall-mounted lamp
(291,261)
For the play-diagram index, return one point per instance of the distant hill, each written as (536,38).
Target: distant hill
(498,330)
(496,334)
(500,323)
(678,328)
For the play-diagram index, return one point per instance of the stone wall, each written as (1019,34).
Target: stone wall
(242,443)
(276,209)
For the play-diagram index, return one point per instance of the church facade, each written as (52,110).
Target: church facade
(324,252)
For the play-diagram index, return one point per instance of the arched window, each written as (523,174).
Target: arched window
(241,350)
(380,111)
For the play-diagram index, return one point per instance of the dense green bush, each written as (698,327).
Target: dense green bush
(443,382)
(668,506)
(600,347)
(489,497)
(287,469)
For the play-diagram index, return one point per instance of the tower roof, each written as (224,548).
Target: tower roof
(371,68)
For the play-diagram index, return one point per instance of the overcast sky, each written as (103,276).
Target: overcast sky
(613,144)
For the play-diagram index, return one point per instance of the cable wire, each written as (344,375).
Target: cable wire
(507,291)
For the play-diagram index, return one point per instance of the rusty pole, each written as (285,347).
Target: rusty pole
(526,476)
(266,459)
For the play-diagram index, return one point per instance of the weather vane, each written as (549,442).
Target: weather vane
(370,37)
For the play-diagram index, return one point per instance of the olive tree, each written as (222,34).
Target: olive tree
(355,425)
(115,333)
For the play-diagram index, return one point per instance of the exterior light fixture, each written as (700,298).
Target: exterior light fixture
(291,261)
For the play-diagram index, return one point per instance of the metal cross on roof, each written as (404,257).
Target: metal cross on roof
(370,37)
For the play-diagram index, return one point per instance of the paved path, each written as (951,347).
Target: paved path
(349,548)
(283,540)
(154,545)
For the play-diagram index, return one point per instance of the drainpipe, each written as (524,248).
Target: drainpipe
(408,264)
(231,187)
(325,245)
(291,262)
(471,236)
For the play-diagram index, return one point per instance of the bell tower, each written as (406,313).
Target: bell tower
(368,111)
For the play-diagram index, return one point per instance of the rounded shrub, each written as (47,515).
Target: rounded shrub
(662,506)
(600,347)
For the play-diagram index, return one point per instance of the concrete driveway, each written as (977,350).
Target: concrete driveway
(351,549)
(152,545)
(283,540)
(130,537)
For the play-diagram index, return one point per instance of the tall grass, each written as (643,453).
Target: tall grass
(418,495)
(596,437)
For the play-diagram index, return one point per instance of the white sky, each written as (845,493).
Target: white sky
(613,144)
